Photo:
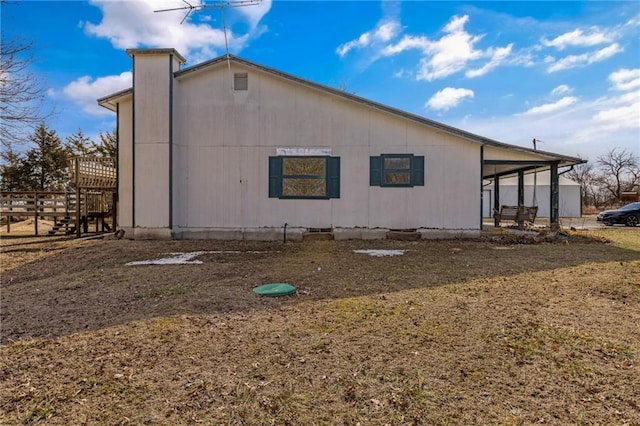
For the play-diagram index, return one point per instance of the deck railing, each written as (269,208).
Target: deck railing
(92,172)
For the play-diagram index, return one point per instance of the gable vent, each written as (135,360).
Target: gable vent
(240,81)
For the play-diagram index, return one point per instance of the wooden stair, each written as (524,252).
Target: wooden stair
(62,228)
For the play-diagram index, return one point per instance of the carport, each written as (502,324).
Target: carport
(501,160)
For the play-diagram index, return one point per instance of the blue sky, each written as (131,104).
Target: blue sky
(566,73)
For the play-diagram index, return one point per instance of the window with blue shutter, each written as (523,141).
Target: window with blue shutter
(304,177)
(396,170)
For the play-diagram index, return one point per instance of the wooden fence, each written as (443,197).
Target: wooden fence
(55,205)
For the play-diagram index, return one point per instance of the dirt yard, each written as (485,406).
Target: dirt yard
(495,331)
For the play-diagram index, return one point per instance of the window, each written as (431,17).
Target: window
(241,81)
(401,170)
(304,177)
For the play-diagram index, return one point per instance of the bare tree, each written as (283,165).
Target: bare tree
(586,176)
(619,171)
(21,92)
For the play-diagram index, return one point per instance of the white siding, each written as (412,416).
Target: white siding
(224,138)
(125,165)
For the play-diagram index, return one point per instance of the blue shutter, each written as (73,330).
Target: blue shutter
(275,177)
(333,177)
(375,171)
(417,170)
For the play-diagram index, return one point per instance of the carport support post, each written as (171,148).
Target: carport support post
(496,200)
(554,197)
(520,200)
(521,188)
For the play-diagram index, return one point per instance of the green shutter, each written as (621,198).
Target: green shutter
(333,177)
(417,170)
(275,177)
(375,171)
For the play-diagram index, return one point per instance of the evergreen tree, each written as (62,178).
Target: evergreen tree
(80,145)
(13,171)
(47,161)
(107,146)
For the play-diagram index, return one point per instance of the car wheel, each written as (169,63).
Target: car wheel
(632,221)
(607,223)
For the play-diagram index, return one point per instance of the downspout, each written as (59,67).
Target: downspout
(116,198)
(171,143)
(133,145)
(566,171)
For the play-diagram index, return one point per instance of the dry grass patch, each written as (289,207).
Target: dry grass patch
(452,332)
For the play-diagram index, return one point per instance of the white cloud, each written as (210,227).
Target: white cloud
(498,55)
(130,24)
(384,31)
(551,107)
(586,128)
(573,61)
(448,98)
(451,53)
(387,31)
(401,73)
(561,90)
(256,12)
(622,117)
(84,91)
(625,79)
(361,41)
(578,38)
(407,42)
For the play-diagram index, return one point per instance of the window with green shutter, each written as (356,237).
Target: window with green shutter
(304,177)
(396,170)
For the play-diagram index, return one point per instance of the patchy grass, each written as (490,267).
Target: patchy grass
(166,291)
(452,332)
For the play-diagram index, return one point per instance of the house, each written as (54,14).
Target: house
(570,196)
(230,149)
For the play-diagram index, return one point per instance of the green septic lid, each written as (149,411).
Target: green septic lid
(275,290)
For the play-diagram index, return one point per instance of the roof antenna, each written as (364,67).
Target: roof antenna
(216,4)
(535,141)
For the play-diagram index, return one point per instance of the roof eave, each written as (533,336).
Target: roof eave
(354,98)
(110,101)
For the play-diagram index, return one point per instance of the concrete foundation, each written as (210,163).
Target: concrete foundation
(149,233)
(230,234)
(293,234)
